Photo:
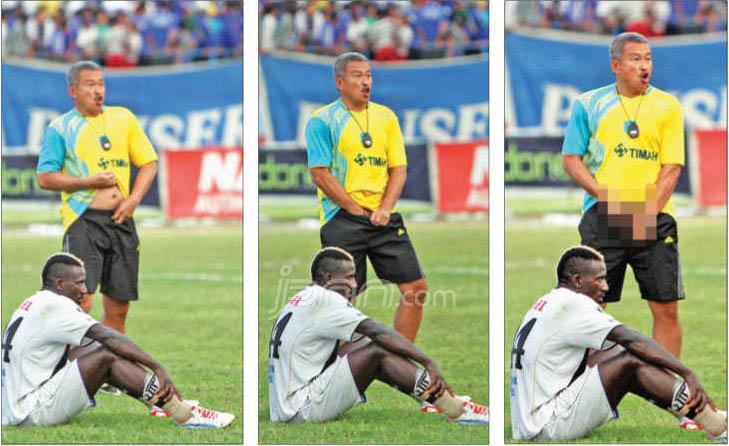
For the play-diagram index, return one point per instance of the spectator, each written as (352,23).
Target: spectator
(382,34)
(308,23)
(39,30)
(61,45)
(87,39)
(267,29)
(358,28)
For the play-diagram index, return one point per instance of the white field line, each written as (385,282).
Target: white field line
(180,276)
(545,264)
(285,267)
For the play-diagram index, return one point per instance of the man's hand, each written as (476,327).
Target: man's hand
(438,384)
(380,217)
(102,180)
(699,398)
(166,388)
(124,210)
(356,209)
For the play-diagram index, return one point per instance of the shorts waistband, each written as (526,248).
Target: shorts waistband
(101,212)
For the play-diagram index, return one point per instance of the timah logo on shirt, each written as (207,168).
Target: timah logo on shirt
(635,153)
(116,162)
(372,160)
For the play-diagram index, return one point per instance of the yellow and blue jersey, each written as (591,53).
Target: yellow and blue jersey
(334,140)
(625,166)
(71,145)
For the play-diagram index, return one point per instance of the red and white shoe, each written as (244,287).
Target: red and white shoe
(687,424)
(161,413)
(203,418)
(432,408)
(472,414)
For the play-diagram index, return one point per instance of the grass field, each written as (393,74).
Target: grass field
(455,334)
(189,317)
(532,251)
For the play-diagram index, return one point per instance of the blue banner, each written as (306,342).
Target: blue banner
(440,101)
(178,107)
(546,74)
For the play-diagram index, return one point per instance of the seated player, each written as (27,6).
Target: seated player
(562,391)
(317,372)
(45,382)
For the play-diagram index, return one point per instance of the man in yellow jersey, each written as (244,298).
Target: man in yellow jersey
(357,159)
(624,145)
(87,154)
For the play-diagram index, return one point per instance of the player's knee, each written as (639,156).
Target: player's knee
(416,293)
(666,315)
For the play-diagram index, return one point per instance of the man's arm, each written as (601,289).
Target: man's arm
(650,351)
(394,342)
(61,182)
(667,180)
(324,180)
(142,183)
(577,170)
(396,181)
(124,347)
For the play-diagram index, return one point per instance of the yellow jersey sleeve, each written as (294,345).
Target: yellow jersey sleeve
(141,151)
(396,146)
(672,142)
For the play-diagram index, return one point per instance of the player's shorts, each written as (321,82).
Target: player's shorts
(655,265)
(60,398)
(389,248)
(110,253)
(330,394)
(578,409)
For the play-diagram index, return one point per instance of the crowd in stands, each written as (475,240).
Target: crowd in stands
(383,30)
(123,33)
(650,18)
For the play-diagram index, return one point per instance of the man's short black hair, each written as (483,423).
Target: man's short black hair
(576,260)
(327,261)
(56,265)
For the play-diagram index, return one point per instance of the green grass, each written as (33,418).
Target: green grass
(532,250)
(455,257)
(189,317)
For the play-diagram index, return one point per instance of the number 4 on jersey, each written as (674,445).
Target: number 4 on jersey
(8,341)
(276,333)
(517,349)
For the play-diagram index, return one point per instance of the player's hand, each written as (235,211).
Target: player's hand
(438,384)
(699,398)
(124,210)
(166,388)
(101,180)
(358,210)
(380,217)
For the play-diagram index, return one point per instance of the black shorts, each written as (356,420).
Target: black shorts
(389,248)
(655,263)
(109,251)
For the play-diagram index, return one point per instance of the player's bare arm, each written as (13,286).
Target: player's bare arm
(397,176)
(667,180)
(324,180)
(61,182)
(142,183)
(577,170)
(650,351)
(394,342)
(124,347)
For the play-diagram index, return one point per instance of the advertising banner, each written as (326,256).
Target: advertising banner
(710,146)
(200,105)
(432,101)
(284,172)
(548,71)
(206,182)
(461,182)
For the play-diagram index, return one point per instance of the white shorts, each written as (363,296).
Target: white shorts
(330,394)
(578,409)
(60,398)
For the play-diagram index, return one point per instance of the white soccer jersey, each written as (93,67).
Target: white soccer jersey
(34,348)
(548,351)
(305,335)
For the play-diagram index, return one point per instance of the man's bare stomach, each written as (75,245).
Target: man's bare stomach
(107,198)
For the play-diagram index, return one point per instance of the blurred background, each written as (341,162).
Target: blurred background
(177,65)
(554,51)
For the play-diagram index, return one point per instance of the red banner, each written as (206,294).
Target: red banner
(711,167)
(461,176)
(205,182)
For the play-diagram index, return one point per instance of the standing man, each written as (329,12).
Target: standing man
(87,154)
(624,145)
(561,391)
(356,157)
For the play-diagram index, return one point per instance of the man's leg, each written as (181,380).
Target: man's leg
(115,313)
(410,310)
(666,325)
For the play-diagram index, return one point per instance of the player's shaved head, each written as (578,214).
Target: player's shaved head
(329,260)
(78,67)
(57,267)
(340,63)
(577,260)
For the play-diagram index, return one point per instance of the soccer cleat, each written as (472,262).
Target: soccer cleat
(207,419)
(721,438)
(110,390)
(687,424)
(156,411)
(472,414)
(426,407)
